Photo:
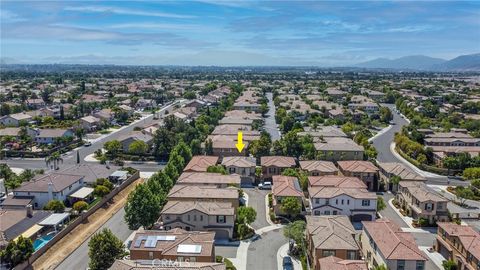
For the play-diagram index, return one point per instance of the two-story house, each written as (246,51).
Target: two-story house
(208,179)
(199,216)
(365,170)
(336,195)
(331,236)
(175,245)
(421,202)
(390,169)
(383,242)
(284,187)
(14,120)
(275,165)
(204,194)
(459,243)
(200,163)
(51,136)
(53,186)
(318,167)
(243,166)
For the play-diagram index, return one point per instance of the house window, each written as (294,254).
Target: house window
(327,201)
(348,202)
(335,212)
(167,217)
(400,264)
(326,253)
(429,206)
(194,217)
(342,201)
(201,217)
(193,259)
(317,200)
(327,212)
(188,217)
(351,255)
(365,202)
(336,201)
(221,219)
(317,213)
(232,170)
(420,265)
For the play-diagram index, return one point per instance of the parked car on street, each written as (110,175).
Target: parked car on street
(265,185)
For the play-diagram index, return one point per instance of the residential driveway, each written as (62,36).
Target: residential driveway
(390,213)
(256,199)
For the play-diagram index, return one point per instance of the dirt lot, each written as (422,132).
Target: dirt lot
(58,252)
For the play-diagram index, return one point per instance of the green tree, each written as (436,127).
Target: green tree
(464,194)
(55,205)
(472,173)
(449,265)
(380,204)
(143,207)
(217,169)
(80,206)
(54,158)
(138,148)
(209,147)
(296,231)
(103,249)
(17,251)
(113,148)
(101,191)
(104,182)
(184,151)
(380,267)
(246,214)
(291,206)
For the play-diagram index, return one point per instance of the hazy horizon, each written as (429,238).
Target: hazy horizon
(225,33)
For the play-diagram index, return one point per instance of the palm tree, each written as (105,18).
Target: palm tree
(54,158)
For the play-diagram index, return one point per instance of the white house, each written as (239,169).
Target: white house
(49,187)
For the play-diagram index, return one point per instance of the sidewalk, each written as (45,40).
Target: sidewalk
(409,221)
(435,257)
(380,133)
(70,242)
(283,252)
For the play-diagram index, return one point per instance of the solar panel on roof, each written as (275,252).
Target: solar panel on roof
(151,242)
(138,242)
(166,238)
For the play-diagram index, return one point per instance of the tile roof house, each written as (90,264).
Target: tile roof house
(364,170)
(421,202)
(200,163)
(90,123)
(318,167)
(127,139)
(208,179)
(15,119)
(175,245)
(331,262)
(204,193)
(339,148)
(51,136)
(275,165)
(147,265)
(14,222)
(340,195)
(331,236)
(459,243)
(384,242)
(243,166)
(284,187)
(47,187)
(199,216)
(389,169)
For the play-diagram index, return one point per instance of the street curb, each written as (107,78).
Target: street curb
(381,132)
(413,167)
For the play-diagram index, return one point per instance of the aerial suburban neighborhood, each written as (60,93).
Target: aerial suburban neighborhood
(239,135)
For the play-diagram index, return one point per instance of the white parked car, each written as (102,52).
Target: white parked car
(265,185)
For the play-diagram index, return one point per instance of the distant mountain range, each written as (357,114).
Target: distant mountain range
(469,62)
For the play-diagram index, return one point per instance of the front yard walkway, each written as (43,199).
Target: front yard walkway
(63,248)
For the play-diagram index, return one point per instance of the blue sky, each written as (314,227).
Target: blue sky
(214,32)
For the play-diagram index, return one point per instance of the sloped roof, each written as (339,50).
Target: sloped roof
(286,186)
(200,163)
(318,165)
(331,232)
(357,166)
(277,161)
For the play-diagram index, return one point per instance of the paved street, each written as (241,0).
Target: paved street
(270,124)
(256,199)
(79,258)
(262,253)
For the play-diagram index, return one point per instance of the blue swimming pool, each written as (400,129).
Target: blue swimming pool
(42,241)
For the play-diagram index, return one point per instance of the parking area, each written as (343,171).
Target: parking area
(256,199)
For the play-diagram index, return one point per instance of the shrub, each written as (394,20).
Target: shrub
(80,206)
(55,205)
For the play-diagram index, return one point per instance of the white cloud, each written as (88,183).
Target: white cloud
(7,16)
(126,11)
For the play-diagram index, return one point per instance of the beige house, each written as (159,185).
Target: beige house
(330,263)
(243,166)
(284,187)
(338,148)
(199,216)
(208,179)
(200,163)
(365,170)
(421,202)
(331,236)
(204,194)
(318,167)
(387,170)
(275,165)
(459,243)
(384,243)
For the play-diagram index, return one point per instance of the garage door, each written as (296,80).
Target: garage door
(361,217)
(221,235)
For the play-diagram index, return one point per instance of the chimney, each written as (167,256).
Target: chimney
(50,191)
(29,209)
